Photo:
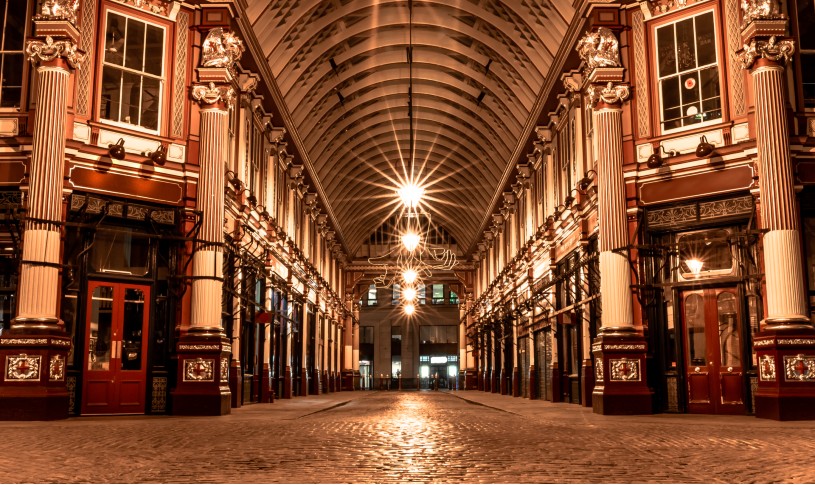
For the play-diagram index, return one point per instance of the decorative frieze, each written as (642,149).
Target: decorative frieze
(763,343)
(772,50)
(24,341)
(624,347)
(795,341)
(199,370)
(23,367)
(624,370)
(39,51)
(692,213)
(199,347)
(799,368)
(766,367)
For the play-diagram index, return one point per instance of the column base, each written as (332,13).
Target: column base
(203,375)
(266,391)
(557,383)
(588,382)
(347,380)
(32,384)
(304,381)
(533,383)
(516,382)
(786,372)
(287,383)
(235,384)
(621,387)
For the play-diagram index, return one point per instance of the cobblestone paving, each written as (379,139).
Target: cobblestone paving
(385,437)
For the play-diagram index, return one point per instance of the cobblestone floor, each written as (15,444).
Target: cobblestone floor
(385,437)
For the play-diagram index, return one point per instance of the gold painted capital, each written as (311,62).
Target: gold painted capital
(609,94)
(43,51)
(772,50)
(212,93)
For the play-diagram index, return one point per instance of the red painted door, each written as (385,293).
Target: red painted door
(115,348)
(712,336)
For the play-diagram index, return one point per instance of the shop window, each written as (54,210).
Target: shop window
(421,294)
(688,73)
(371,295)
(705,254)
(453,298)
(132,77)
(12,59)
(438,294)
(366,335)
(397,294)
(120,252)
(438,334)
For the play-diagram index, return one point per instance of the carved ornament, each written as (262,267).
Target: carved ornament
(599,49)
(799,368)
(221,49)
(609,94)
(212,93)
(624,369)
(198,370)
(759,10)
(56,368)
(766,368)
(39,51)
(772,50)
(23,367)
(59,10)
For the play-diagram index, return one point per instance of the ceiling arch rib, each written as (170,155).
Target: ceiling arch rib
(429,116)
(398,127)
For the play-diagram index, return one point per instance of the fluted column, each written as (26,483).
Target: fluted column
(611,208)
(785,345)
(34,351)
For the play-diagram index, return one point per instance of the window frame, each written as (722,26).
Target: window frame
(720,63)
(25,77)
(164,81)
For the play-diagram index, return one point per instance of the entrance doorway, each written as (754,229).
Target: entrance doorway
(115,348)
(712,336)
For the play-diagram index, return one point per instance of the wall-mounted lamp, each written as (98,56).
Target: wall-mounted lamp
(584,183)
(159,157)
(117,150)
(233,179)
(704,149)
(655,160)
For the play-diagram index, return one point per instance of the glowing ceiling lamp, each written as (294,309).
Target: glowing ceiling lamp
(409,309)
(409,294)
(411,240)
(695,266)
(411,194)
(409,276)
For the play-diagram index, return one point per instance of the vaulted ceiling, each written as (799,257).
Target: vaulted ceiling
(342,70)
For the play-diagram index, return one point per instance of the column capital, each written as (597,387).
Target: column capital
(212,93)
(610,94)
(47,50)
(774,51)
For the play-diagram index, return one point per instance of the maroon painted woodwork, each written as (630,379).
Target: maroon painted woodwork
(587,382)
(785,383)
(202,389)
(287,383)
(711,327)
(304,381)
(516,382)
(115,348)
(695,186)
(557,383)
(236,383)
(623,388)
(139,188)
(266,391)
(533,382)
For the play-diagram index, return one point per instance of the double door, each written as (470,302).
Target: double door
(712,328)
(115,362)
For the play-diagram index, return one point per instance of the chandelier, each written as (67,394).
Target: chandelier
(411,257)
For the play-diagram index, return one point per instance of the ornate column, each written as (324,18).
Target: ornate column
(287,335)
(355,321)
(785,347)
(34,351)
(203,350)
(348,352)
(619,348)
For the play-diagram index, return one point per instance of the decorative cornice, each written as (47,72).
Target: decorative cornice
(609,94)
(772,50)
(212,93)
(39,51)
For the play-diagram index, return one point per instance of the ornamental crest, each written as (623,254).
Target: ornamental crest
(23,367)
(198,370)
(624,369)
(766,367)
(221,49)
(224,369)
(59,10)
(56,368)
(599,49)
(759,10)
(799,367)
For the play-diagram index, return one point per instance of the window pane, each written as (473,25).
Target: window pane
(155,50)
(131,97)
(667,50)
(685,45)
(729,330)
(705,38)
(12,80)
(101,329)
(134,55)
(806,19)
(111,91)
(15,26)
(132,332)
(695,321)
(3,4)
(115,39)
(670,102)
(150,103)
(808,79)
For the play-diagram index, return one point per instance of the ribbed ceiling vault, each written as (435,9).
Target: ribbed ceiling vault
(342,69)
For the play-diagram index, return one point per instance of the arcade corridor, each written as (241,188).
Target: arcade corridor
(401,437)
